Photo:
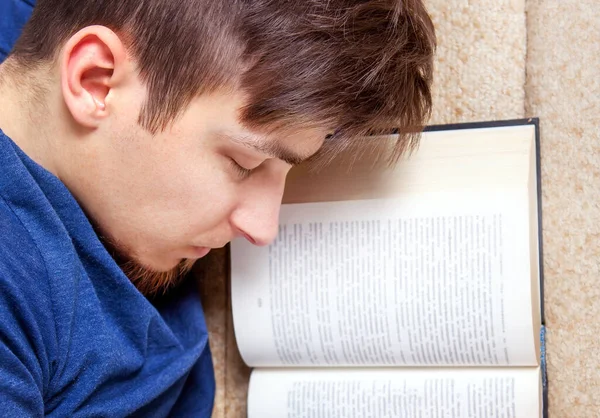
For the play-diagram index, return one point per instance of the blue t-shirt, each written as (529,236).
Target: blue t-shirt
(77,339)
(13,16)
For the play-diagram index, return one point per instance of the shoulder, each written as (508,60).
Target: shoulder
(27,323)
(26,302)
(25,293)
(13,15)
(19,255)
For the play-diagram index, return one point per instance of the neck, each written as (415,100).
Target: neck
(27,116)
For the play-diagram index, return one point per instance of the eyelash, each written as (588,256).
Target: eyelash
(241,171)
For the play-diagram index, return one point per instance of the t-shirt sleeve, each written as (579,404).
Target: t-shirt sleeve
(27,329)
(13,16)
(20,395)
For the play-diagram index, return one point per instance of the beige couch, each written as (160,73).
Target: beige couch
(501,59)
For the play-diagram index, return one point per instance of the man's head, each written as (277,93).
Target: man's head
(174,123)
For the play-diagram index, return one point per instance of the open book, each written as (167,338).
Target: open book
(410,291)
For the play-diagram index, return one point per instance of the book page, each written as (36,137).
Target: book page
(326,393)
(433,279)
(455,160)
(535,243)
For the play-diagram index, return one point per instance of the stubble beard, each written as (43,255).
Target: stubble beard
(149,282)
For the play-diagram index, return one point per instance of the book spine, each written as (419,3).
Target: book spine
(543,356)
(543,370)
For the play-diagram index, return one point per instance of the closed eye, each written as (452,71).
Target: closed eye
(242,172)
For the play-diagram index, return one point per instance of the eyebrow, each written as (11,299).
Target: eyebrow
(272,149)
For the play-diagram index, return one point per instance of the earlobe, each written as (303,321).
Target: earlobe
(91,67)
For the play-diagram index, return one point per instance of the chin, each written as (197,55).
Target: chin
(151,280)
(162,267)
(157,264)
(150,273)
(150,259)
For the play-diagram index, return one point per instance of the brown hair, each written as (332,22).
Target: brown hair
(359,66)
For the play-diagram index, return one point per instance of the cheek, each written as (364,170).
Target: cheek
(174,189)
(201,194)
(171,197)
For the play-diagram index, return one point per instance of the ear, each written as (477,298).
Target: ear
(94,62)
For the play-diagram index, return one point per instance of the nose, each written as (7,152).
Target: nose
(257,217)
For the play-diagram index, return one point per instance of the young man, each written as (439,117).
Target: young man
(138,135)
